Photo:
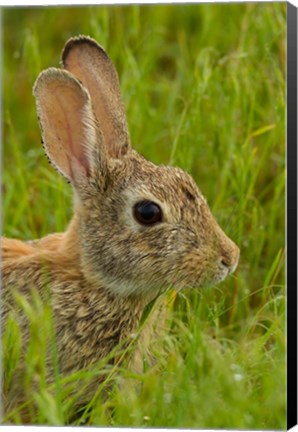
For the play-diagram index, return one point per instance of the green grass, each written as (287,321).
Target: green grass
(204,89)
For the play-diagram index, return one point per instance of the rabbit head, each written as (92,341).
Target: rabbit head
(141,227)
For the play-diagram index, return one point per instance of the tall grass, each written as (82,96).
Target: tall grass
(204,89)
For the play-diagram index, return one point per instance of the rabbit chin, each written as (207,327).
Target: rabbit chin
(205,280)
(217,278)
(125,288)
(147,290)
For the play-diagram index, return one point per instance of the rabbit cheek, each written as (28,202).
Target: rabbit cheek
(193,271)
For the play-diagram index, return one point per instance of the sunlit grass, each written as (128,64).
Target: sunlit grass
(204,89)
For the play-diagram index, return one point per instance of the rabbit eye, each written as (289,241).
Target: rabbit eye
(147,212)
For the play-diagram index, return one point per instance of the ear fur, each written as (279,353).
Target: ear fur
(71,136)
(90,64)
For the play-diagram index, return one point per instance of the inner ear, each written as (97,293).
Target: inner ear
(70,131)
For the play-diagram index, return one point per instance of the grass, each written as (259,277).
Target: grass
(204,89)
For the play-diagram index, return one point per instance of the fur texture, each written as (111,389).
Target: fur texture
(107,266)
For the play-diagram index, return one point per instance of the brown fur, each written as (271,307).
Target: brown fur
(106,267)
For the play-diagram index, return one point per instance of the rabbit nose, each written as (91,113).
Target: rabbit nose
(230,259)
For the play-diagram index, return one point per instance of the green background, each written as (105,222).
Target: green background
(204,89)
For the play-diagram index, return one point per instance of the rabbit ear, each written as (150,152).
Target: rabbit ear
(71,137)
(90,64)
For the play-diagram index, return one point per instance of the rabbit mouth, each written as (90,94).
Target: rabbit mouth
(204,279)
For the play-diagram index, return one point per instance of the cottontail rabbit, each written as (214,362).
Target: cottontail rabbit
(137,227)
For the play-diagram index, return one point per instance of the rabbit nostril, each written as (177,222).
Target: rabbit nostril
(225,262)
(229,262)
(229,258)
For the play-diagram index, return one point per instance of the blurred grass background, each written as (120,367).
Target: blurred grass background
(204,89)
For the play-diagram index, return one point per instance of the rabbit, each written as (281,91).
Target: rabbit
(137,228)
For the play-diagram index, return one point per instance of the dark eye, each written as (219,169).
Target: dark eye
(147,212)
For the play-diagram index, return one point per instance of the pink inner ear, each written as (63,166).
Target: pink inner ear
(77,149)
(66,134)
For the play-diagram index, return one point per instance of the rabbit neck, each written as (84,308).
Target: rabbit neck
(94,320)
